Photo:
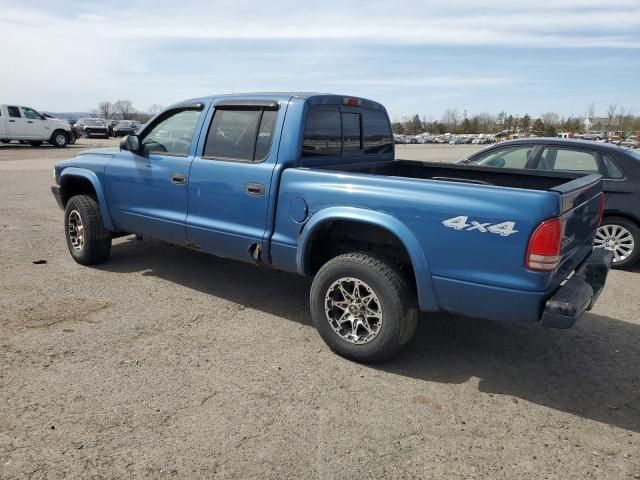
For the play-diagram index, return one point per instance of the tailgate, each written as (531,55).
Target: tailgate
(580,204)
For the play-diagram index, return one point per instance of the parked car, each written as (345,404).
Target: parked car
(310,184)
(93,127)
(620,168)
(125,127)
(28,126)
(631,142)
(595,135)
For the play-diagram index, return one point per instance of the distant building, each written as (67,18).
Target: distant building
(601,124)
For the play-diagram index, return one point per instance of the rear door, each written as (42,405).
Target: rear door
(17,124)
(230,183)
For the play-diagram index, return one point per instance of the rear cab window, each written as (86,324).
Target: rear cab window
(346,131)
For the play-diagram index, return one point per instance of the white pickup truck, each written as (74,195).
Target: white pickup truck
(27,125)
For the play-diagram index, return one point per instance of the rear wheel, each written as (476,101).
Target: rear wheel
(621,236)
(87,239)
(362,307)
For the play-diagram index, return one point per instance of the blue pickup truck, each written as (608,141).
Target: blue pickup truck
(308,183)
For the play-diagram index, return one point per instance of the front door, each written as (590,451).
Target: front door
(231,180)
(37,127)
(147,190)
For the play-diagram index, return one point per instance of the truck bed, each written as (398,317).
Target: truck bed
(501,177)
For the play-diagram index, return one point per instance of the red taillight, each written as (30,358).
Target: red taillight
(543,254)
(354,102)
(601,210)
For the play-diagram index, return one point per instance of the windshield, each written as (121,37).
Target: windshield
(94,122)
(125,124)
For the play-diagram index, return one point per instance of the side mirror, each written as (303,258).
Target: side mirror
(130,143)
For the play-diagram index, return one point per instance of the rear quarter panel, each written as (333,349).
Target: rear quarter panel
(421,206)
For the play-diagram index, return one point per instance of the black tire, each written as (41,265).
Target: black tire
(59,139)
(35,144)
(96,240)
(5,141)
(397,302)
(633,229)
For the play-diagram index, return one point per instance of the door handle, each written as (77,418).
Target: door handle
(254,188)
(29,121)
(12,121)
(178,179)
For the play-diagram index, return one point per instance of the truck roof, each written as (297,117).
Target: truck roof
(315,97)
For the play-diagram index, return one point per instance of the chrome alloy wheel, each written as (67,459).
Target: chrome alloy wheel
(617,239)
(60,139)
(76,230)
(353,310)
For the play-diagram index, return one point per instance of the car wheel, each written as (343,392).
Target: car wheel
(35,144)
(5,141)
(88,241)
(621,236)
(363,307)
(59,139)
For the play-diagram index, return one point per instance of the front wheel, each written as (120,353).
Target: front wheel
(59,139)
(621,236)
(363,307)
(88,241)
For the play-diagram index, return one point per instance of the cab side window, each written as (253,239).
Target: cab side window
(568,159)
(507,157)
(14,112)
(173,134)
(613,171)
(30,113)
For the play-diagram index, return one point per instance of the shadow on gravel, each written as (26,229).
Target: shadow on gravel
(591,370)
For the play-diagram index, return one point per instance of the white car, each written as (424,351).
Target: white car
(27,125)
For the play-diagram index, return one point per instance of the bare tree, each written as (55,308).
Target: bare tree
(105,109)
(622,113)
(611,112)
(451,118)
(550,119)
(155,108)
(124,109)
(591,111)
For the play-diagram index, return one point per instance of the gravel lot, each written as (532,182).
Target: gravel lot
(168,363)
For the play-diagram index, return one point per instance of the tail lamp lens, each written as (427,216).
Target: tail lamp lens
(543,254)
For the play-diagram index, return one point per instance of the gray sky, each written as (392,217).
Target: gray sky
(413,56)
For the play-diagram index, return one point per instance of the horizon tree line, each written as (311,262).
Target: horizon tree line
(548,124)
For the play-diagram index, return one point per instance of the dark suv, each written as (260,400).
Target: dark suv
(125,127)
(620,167)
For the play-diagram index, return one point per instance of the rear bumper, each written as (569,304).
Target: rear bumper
(579,293)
